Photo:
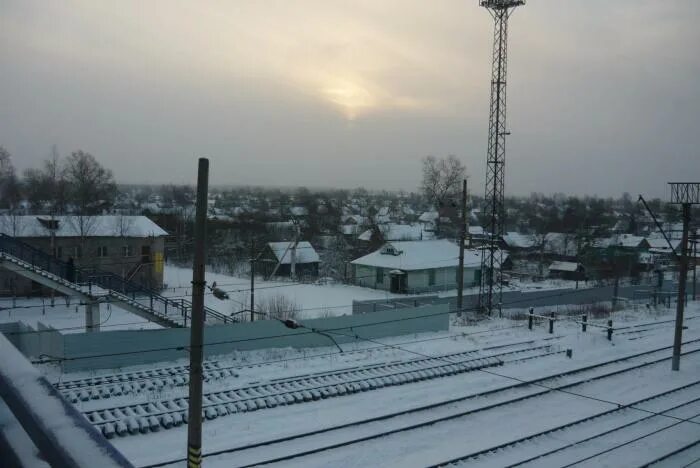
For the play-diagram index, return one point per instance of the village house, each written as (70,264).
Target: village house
(567,270)
(289,259)
(416,267)
(129,246)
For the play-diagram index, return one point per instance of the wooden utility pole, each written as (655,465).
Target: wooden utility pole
(194,421)
(462,236)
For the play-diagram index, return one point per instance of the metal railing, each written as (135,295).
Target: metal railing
(176,310)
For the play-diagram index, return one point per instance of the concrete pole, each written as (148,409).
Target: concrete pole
(92,317)
(682,278)
(252,280)
(194,427)
(462,235)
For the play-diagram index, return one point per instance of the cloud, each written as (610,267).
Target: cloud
(317,92)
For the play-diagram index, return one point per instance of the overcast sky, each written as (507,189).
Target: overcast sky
(603,97)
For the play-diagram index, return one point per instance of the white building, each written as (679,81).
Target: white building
(416,267)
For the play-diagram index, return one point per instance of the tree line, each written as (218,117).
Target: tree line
(76,184)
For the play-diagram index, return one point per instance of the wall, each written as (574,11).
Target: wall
(417,280)
(25,338)
(150,275)
(126,348)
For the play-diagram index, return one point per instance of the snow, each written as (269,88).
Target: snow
(49,411)
(313,300)
(518,240)
(419,255)
(94,226)
(68,318)
(442,441)
(399,232)
(305,253)
(563,266)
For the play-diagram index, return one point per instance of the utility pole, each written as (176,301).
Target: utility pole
(686,195)
(462,235)
(252,280)
(194,422)
(695,263)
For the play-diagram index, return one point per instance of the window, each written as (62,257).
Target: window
(145,254)
(102,251)
(58,252)
(76,252)
(127,251)
(431,277)
(380,275)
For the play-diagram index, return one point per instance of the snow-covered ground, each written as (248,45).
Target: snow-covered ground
(67,317)
(453,436)
(314,300)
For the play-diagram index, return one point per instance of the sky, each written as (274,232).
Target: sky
(603,97)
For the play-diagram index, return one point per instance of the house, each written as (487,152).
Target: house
(567,270)
(624,241)
(399,232)
(129,246)
(516,242)
(416,266)
(302,258)
(561,245)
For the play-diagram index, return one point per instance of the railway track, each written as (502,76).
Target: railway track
(159,379)
(168,413)
(288,448)
(591,435)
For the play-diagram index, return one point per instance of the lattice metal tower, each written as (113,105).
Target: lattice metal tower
(490,290)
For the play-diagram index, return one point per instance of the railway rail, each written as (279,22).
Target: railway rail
(287,448)
(166,413)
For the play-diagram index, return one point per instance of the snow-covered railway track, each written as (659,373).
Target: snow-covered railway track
(375,428)
(167,413)
(93,388)
(586,438)
(159,379)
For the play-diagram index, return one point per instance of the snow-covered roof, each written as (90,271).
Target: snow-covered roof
(560,243)
(622,240)
(70,226)
(398,232)
(661,244)
(419,255)
(305,252)
(429,217)
(299,211)
(564,266)
(519,241)
(476,231)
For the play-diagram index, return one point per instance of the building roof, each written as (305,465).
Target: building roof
(560,243)
(419,255)
(519,241)
(564,266)
(305,252)
(623,240)
(399,232)
(69,226)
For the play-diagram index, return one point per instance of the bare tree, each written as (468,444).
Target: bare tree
(91,189)
(442,179)
(46,187)
(11,196)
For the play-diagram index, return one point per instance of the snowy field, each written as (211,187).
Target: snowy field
(424,399)
(314,300)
